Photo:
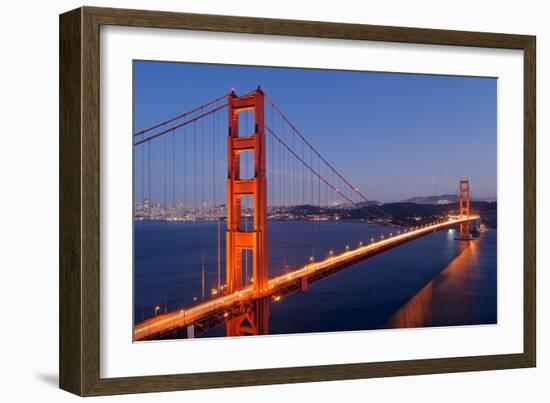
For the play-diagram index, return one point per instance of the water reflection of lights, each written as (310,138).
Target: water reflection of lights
(443,294)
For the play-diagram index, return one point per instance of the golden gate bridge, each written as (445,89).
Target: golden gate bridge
(238,162)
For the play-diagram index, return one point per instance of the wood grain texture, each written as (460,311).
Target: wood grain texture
(530,203)
(315,29)
(70,273)
(90,202)
(80,200)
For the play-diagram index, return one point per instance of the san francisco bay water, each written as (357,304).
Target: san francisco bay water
(432,281)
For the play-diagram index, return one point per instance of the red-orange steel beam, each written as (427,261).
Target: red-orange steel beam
(237,240)
(464,207)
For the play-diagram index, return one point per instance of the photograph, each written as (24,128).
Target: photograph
(285,200)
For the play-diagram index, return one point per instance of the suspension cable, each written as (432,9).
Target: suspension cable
(180,125)
(181,116)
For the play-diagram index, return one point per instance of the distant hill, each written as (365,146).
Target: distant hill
(368,203)
(442,199)
(488,199)
(404,212)
(421,213)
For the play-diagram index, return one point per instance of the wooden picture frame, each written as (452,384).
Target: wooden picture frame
(80,199)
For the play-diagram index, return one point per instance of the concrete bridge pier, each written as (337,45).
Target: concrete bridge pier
(190,331)
(304,284)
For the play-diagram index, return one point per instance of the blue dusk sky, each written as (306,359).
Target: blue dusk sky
(394,136)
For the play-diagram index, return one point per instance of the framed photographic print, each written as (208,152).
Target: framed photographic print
(250,201)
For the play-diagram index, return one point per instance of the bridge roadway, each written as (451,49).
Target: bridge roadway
(169,321)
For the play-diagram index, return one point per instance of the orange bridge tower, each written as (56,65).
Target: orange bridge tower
(239,241)
(464,208)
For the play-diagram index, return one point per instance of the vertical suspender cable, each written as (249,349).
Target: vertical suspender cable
(164,272)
